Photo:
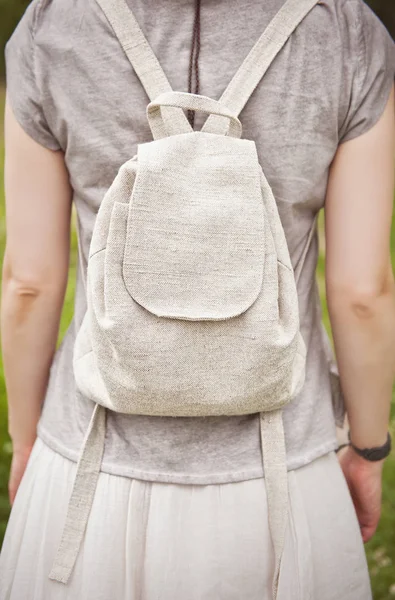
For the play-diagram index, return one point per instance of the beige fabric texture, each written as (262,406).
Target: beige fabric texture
(84,489)
(194,102)
(197,243)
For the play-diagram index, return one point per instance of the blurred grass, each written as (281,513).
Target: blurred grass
(380,551)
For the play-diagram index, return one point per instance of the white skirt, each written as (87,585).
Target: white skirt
(162,541)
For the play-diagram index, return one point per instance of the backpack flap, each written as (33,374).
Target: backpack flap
(195,246)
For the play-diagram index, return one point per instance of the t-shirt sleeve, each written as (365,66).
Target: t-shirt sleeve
(23,93)
(374,70)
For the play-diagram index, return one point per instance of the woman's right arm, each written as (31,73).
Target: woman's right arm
(38,206)
(361,299)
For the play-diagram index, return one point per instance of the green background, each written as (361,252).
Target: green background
(381,550)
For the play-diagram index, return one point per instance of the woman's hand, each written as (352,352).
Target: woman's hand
(20,458)
(364,481)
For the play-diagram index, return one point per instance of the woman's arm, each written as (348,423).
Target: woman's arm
(361,293)
(38,207)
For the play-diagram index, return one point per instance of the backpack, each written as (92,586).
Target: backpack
(192,306)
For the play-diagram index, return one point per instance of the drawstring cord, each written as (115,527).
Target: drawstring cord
(194,58)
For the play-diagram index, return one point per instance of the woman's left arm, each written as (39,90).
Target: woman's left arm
(38,211)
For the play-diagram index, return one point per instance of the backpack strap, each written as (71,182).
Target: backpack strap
(191,102)
(82,495)
(259,60)
(276,483)
(274,456)
(142,59)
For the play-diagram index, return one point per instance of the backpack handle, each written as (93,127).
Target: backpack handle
(188,102)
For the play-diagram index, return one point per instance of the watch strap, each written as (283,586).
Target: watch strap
(373,454)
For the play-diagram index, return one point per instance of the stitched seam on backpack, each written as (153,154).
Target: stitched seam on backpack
(285,266)
(97,252)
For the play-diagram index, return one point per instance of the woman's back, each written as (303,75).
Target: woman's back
(93,108)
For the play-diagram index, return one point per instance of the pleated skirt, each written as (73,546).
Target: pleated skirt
(164,541)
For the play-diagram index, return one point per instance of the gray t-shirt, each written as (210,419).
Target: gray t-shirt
(72,88)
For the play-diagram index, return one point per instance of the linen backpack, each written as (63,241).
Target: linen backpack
(191,294)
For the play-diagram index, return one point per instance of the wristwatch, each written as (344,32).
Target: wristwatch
(373,454)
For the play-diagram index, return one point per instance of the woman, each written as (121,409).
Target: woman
(180,509)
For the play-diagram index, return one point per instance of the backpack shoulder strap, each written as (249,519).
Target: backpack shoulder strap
(141,57)
(259,60)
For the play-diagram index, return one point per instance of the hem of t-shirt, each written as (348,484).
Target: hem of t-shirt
(374,120)
(27,125)
(30,129)
(293,463)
